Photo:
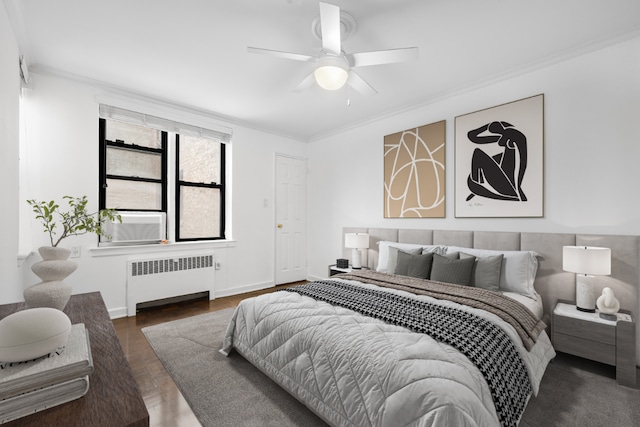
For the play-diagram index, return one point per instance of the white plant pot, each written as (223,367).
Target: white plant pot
(52,270)
(54,253)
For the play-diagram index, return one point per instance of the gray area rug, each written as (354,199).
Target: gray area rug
(580,393)
(229,391)
(222,391)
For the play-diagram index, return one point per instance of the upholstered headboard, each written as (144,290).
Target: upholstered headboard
(552,282)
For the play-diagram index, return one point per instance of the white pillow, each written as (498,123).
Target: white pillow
(519,268)
(383,252)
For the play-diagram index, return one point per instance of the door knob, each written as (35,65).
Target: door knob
(279,225)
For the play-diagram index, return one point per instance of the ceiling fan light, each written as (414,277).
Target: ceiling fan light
(331,77)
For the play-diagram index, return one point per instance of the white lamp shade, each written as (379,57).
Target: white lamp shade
(332,73)
(589,260)
(356,240)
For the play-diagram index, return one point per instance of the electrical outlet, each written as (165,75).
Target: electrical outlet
(218,265)
(75,251)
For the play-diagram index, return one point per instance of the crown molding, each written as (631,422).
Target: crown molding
(14,13)
(113,91)
(542,63)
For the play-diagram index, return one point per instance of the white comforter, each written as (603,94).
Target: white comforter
(353,370)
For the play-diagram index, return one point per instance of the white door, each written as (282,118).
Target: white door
(291,220)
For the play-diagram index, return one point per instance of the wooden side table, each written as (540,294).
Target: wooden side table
(113,398)
(591,337)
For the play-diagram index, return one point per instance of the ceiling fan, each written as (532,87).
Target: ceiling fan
(334,67)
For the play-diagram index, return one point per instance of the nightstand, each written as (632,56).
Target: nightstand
(335,270)
(606,341)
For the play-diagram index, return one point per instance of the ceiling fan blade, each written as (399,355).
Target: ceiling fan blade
(305,84)
(390,56)
(284,55)
(330,28)
(359,84)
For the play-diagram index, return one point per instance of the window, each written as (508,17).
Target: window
(133,167)
(199,188)
(144,159)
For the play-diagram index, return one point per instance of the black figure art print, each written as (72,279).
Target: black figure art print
(499,161)
(499,176)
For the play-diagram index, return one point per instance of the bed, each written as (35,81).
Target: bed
(388,347)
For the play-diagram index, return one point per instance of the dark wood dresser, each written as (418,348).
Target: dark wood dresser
(113,398)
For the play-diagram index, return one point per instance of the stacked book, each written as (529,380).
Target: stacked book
(56,378)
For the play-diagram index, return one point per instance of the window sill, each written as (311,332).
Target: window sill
(160,248)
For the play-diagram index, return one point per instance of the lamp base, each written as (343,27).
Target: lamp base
(585,294)
(356,262)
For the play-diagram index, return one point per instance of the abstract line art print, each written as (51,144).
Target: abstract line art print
(414,172)
(499,161)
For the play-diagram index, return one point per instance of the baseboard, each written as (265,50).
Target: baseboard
(312,278)
(243,289)
(116,313)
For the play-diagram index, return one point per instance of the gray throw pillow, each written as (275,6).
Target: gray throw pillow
(486,271)
(393,256)
(452,255)
(414,265)
(449,270)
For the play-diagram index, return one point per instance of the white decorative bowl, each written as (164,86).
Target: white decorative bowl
(31,333)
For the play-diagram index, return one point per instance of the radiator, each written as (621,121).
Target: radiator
(155,279)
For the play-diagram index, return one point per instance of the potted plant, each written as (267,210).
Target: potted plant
(55,266)
(75,222)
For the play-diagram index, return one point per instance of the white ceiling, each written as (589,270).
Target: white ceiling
(193,52)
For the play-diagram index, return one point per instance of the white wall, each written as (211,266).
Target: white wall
(592,103)
(592,155)
(10,280)
(62,149)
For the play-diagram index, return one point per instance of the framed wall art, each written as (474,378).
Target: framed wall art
(499,161)
(414,172)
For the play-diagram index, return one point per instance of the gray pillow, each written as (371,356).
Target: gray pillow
(486,271)
(449,270)
(418,265)
(393,256)
(452,255)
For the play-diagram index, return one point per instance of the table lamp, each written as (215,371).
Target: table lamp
(356,241)
(586,262)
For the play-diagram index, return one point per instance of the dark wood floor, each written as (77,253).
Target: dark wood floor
(164,401)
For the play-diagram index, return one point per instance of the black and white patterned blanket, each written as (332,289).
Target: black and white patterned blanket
(484,343)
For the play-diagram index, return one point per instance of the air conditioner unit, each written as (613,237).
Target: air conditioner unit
(136,228)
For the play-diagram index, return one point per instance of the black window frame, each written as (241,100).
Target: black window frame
(105,143)
(213,185)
